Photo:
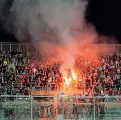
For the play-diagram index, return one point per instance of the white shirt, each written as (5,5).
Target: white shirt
(34,70)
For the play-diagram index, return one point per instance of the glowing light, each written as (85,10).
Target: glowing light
(68,78)
(67,81)
(73,74)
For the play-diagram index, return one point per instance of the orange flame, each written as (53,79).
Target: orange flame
(73,74)
(68,78)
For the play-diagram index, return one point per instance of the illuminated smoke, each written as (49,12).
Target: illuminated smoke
(58,22)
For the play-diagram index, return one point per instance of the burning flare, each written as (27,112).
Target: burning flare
(69,77)
(73,74)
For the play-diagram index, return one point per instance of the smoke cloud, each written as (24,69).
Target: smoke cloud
(59,26)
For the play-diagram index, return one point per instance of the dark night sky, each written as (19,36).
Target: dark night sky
(105,15)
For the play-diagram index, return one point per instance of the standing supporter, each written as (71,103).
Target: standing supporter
(101,73)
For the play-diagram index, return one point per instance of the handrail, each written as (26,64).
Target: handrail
(91,108)
(46,96)
(27,47)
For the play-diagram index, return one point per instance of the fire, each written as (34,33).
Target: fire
(69,77)
(68,81)
(73,74)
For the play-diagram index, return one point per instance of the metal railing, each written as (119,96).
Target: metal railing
(25,47)
(60,107)
(33,47)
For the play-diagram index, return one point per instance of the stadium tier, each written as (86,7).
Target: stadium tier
(34,89)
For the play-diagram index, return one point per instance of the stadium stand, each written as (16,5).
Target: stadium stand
(99,79)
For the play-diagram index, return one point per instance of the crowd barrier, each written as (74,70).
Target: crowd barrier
(60,107)
(34,47)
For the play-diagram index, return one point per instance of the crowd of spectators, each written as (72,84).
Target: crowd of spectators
(20,73)
(102,75)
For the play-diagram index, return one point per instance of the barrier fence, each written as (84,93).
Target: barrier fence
(30,47)
(60,107)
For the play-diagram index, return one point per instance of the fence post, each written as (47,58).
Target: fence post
(10,47)
(63,107)
(31,107)
(56,106)
(113,48)
(27,47)
(36,48)
(1,47)
(94,109)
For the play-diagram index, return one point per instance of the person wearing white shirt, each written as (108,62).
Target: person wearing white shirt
(34,70)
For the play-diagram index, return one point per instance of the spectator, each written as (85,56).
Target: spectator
(100,76)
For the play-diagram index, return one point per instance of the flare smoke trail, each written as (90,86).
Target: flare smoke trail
(61,21)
